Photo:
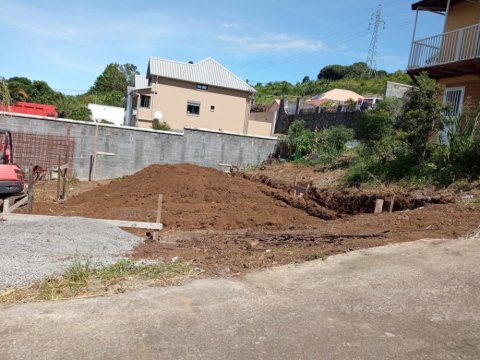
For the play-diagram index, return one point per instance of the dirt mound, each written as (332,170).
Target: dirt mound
(194,198)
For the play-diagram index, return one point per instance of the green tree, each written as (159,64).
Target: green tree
(112,79)
(19,88)
(41,92)
(129,71)
(423,115)
(332,72)
(357,70)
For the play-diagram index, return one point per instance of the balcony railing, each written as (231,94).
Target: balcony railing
(458,45)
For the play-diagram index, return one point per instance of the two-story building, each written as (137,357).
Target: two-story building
(203,95)
(452,57)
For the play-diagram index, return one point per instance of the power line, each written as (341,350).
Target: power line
(376,22)
(334,40)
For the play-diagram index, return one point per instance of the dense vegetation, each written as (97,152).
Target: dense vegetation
(356,77)
(108,89)
(399,141)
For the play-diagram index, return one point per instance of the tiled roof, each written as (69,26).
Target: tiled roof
(207,71)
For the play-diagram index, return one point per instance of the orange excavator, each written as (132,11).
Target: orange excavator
(11,175)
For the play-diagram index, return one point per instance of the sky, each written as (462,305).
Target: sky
(69,43)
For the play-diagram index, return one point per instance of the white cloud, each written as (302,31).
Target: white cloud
(274,42)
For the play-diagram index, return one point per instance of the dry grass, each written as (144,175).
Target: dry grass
(83,280)
(46,191)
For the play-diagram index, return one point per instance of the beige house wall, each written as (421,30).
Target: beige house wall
(259,116)
(463,14)
(261,128)
(170,96)
(472,87)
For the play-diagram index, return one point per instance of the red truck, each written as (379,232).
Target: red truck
(29,108)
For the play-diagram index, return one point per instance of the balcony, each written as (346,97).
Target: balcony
(450,54)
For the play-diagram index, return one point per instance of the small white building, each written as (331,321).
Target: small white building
(112,114)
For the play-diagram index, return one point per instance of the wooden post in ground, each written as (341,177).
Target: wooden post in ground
(6,209)
(30,191)
(295,187)
(58,178)
(63,171)
(159,215)
(306,191)
(378,206)
(392,201)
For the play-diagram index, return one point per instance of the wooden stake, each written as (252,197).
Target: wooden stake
(378,206)
(63,171)
(30,191)
(58,178)
(6,209)
(159,215)
(392,201)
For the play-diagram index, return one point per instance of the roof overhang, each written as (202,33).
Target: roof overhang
(459,68)
(437,6)
(141,91)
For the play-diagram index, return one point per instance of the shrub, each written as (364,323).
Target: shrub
(392,106)
(330,143)
(301,138)
(423,115)
(157,125)
(382,161)
(284,149)
(336,137)
(312,147)
(373,125)
(459,158)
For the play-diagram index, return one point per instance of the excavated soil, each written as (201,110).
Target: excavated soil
(336,202)
(229,253)
(193,198)
(229,224)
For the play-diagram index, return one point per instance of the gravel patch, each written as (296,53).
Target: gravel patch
(30,250)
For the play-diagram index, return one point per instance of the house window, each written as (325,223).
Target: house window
(193,108)
(202,87)
(144,101)
(212,108)
(453,97)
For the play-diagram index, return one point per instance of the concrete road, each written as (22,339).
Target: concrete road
(416,300)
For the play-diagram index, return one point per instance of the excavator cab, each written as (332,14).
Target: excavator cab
(11,175)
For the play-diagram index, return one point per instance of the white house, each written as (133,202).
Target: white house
(111,114)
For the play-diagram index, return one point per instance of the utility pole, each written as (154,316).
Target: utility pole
(376,24)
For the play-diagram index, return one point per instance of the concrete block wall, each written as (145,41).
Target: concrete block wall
(133,149)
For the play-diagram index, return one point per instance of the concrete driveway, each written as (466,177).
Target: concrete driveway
(417,300)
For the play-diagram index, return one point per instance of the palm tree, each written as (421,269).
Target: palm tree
(8,95)
(4,95)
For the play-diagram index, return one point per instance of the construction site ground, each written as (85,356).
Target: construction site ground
(229,224)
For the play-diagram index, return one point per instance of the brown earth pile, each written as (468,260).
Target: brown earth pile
(193,198)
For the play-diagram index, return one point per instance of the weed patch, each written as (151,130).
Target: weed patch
(316,256)
(82,279)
